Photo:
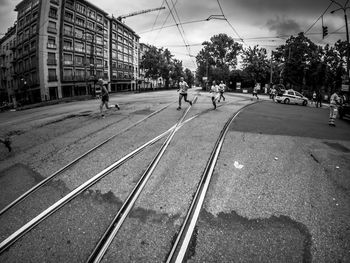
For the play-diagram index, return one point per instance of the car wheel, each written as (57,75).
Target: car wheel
(304,103)
(286,101)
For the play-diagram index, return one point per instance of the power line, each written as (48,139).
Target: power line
(155,21)
(319,18)
(234,30)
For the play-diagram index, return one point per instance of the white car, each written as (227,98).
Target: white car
(292,96)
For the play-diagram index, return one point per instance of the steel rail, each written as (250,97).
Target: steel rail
(183,239)
(70,196)
(49,178)
(108,236)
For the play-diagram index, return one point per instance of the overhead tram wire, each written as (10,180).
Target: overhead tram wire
(166,19)
(183,39)
(228,22)
(155,21)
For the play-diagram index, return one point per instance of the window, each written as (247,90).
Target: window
(70,4)
(99,28)
(99,40)
(32,45)
(79,74)
(80,21)
(52,27)
(35,15)
(67,74)
(33,29)
(99,62)
(106,63)
(68,44)
(91,13)
(90,25)
(79,46)
(99,51)
(79,33)
(26,34)
(51,42)
(68,16)
(88,37)
(51,59)
(88,48)
(114,45)
(79,60)
(114,26)
(67,59)
(114,54)
(52,75)
(68,30)
(53,12)
(80,8)
(114,35)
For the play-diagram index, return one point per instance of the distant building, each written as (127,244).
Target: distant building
(145,83)
(124,56)
(64,46)
(8,86)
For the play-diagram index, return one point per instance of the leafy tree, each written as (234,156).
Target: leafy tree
(189,77)
(217,57)
(256,64)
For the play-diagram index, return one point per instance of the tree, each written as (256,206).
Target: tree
(189,77)
(217,57)
(256,64)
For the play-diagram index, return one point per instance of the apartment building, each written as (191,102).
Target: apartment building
(124,56)
(7,58)
(64,46)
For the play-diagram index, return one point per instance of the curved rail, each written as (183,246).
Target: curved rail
(182,241)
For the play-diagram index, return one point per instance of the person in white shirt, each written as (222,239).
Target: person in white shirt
(333,108)
(214,91)
(222,87)
(183,87)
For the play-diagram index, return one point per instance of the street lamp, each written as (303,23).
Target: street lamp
(344,8)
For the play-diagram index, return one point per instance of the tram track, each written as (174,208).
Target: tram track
(5,244)
(170,133)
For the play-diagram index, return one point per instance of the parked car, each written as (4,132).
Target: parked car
(292,97)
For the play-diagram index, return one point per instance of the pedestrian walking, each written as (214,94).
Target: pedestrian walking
(273,93)
(104,97)
(7,143)
(255,90)
(314,95)
(319,99)
(214,90)
(333,108)
(222,88)
(183,87)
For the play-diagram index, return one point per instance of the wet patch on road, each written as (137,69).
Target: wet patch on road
(233,238)
(16,180)
(338,147)
(146,111)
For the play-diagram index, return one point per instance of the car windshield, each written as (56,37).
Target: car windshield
(298,94)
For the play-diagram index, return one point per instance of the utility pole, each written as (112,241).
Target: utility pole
(344,8)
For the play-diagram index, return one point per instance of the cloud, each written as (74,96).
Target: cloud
(283,26)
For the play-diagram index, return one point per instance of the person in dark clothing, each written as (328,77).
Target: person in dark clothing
(104,97)
(319,99)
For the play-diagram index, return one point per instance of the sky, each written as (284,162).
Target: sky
(267,23)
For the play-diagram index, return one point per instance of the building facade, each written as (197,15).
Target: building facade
(124,56)
(64,46)
(7,57)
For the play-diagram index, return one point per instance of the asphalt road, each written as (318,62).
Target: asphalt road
(287,202)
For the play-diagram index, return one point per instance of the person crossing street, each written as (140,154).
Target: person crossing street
(222,87)
(104,97)
(214,90)
(333,108)
(183,87)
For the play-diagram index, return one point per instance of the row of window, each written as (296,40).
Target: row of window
(27,6)
(86,11)
(81,21)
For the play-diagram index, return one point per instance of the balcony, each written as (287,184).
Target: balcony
(68,33)
(68,78)
(69,19)
(52,30)
(51,62)
(67,62)
(80,78)
(79,49)
(51,45)
(52,78)
(53,15)
(70,48)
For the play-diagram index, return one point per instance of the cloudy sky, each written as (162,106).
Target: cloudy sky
(264,22)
